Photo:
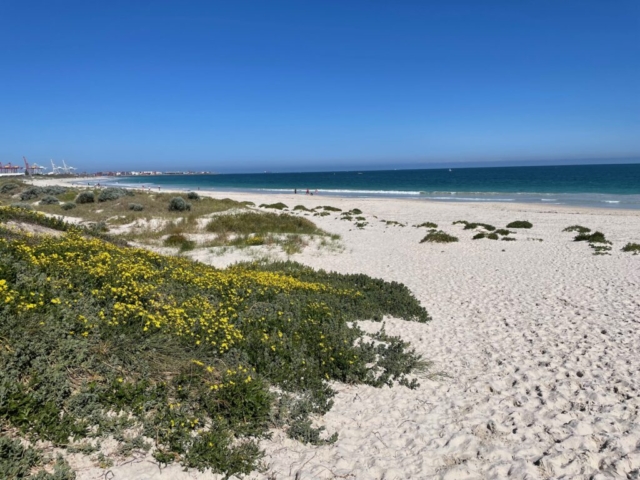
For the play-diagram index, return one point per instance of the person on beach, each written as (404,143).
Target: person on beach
(295,191)
(307,191)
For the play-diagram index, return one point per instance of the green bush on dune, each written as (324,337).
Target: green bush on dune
(438,236)
(577,228)
(85,197)
(179,204)
(520,224)
(49,200)
(9,187)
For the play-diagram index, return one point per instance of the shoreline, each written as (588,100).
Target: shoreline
(244,195)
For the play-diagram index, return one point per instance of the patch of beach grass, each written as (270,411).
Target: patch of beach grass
(490,236)
(427,225)
(597,241)
(438,236)
(393,223)
(275,206)
(520,224)
(632,247)
(577,228)
(474,225)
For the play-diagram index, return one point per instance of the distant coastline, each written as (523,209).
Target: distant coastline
(599,186)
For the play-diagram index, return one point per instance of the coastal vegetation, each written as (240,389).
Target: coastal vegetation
(100,339)
(179,204)
(632,247)
(393,223)
(474,225)
(520,224)
(577,228)
(438,236)
(427,225)
(597,241)
(276,206)
(85,197)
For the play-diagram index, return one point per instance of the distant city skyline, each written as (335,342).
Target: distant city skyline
(311,86)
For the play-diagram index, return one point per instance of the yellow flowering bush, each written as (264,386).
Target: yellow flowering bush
(97,337)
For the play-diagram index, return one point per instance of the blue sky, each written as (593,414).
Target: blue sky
(312,85)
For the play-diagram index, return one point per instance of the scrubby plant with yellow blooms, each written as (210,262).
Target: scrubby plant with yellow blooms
(96,338)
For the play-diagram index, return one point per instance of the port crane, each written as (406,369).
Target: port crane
(32,169)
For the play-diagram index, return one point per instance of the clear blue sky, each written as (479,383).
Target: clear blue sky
(314,85)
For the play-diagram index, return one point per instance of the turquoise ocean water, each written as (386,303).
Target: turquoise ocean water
(606,186)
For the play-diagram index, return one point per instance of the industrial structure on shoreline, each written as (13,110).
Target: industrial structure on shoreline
(8,169)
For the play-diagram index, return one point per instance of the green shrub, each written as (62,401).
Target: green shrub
(329,208)
(193,196)
(393,223)
(277,206)
(438,236)
(111,194)
(178,204)
(577,228)
(490,236)
(136,207)
(473,226)
(503,231)
(20,462)
(49,200)
(632,247)
(25,206)
(595,237)
(68,205)
(97,227)
(30,193)
(248,204)
(355,211)
(427,225)
(85,197)
(508,239)
(520,224)
(53,190)
(301,208)
(9,187)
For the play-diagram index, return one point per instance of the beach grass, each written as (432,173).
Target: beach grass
(427,225)
(474,225)
(577,228)
(520,224)
(275,206)
(438,236)
(632,247)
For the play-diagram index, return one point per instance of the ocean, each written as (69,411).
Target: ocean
(605,186)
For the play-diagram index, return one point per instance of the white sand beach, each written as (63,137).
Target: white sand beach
(534,347)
